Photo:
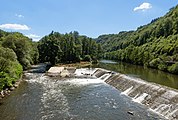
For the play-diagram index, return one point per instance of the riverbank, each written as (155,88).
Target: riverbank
(40,68)
(8,91)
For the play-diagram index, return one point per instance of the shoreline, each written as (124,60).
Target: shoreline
(77,65)
(7,91)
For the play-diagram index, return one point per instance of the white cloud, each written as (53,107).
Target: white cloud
(34,37)
(19,16)
(14,27)
(143,7)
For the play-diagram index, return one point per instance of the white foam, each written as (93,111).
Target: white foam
(84,71)
(140,98)
(84,81)
(127,91)
(105,76)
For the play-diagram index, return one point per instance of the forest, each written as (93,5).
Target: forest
(18,52)
(68,48)
(153,45)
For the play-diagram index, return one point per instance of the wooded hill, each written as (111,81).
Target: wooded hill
(153,45)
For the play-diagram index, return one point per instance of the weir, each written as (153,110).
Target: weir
(160,99)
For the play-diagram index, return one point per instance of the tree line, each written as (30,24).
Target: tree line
(153,45)
(68,48)
(18,52)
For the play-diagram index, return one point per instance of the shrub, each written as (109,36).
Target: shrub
(173,68)
(162,66)
(87,58)
(155,62)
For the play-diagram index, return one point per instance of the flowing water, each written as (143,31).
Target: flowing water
(40,97)
(147,74)
(144,86)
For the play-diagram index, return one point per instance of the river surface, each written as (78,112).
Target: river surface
(147,74)
(40,97)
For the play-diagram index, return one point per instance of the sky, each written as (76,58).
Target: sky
(37,18)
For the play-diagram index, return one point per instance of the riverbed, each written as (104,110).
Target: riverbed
(40,97)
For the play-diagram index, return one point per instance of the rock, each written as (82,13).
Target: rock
(65,73)
(15,85)
(130,112)
(55,71)
(12,88)
(1,94)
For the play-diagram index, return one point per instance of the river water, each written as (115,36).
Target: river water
(147,74)
(40,97)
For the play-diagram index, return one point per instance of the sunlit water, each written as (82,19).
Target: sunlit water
(40,97)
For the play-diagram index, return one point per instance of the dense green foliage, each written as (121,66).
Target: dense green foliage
(154,45)
(17,52)
(25,50)
(67,48)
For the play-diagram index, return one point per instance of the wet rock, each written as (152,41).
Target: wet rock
(6,92)
(65,73)
(12,88)
(2,94)
(15,85)
(130,112)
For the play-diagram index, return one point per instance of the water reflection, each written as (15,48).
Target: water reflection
(147,74)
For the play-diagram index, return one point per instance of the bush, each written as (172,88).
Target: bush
(87,58)
(162,66)
(10,69)
(173,68)
(155,62)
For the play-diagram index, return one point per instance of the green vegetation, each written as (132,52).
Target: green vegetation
(17,52)
(68,48)
(154,45)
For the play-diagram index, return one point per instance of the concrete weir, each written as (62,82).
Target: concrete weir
(61,71)
(160,99)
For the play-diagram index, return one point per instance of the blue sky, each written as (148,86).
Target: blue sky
(36,18)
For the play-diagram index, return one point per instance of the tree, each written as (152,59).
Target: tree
(23,47)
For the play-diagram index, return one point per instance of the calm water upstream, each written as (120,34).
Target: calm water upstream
(42,98)
(147,74)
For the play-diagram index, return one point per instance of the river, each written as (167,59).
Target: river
(40,97)
(147,74)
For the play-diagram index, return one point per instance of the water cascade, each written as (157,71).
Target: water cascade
(160,99)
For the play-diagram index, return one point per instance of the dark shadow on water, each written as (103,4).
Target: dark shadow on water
(40,68)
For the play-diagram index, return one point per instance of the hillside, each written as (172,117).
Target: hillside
(153,45)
